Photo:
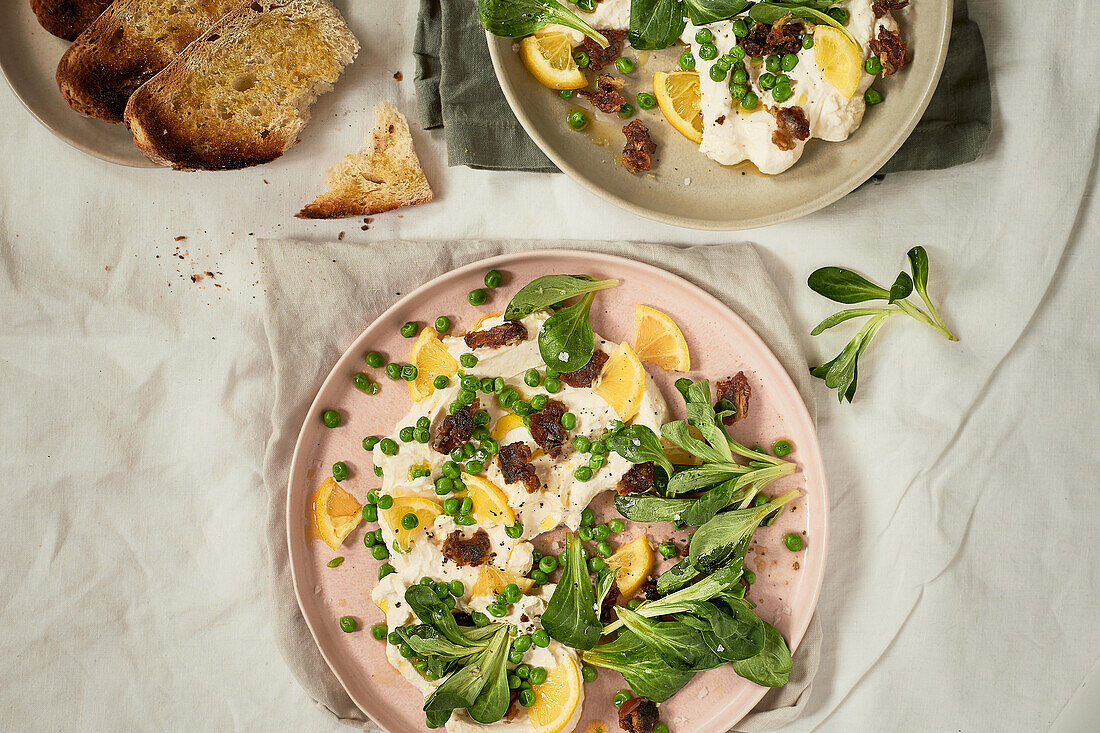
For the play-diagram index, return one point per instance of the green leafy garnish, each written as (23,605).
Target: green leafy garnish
(639,444)
(772,666)
(655,24)
(679,644)
(551,290)
(718,540)
(570,615)
(702,12)
(566,341)
(645,670)
(844,286)
(515,18)
(769,13)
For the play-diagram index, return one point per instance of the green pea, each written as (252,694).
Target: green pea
(603,549)
(708,51)
(646,100)
(532,378)
(539,577)
(379,552)
(749,576)
(385,570)
(476,296)
(577,119)
(348,624)
(379,631)
(569,421)
(479,618)
(872,96)
(538,675)
(394,638)
(616,526)
(522,643)
(331,418)
(582,59)
(596,564)
(374,359)
(369,442)
(409,329)
(633,603)
(687,61)
(467,506)
(468,360)
(385,501)
(493,279)
(585,533)
(660,727)
(626,110)
(588,6)
(589,674)
(541,638)
(409,372)
(717,73)
(405,650)
(788,61)
(740,28)
(548,564)
(515,658)
(587,517)
(582,444)
(624,65)
(620,697)
(521,408)
(771,63)
(451,505)
(406,434)
(495,609)
(527,698)
(667,550)
(740,76)
(781,447)
(361,381)
(704,35)
(872,65)
(583,473)
(552,385)
(750,100)
(388,446)
(443,324)
(738,91)
(512,593)
(370,513)
(393,370)
(335,562)
(737,53)
(767,80)
(840,15)
(474,467)
(725,63)
(515,531)
(793,542)
(601,532)
(808,41)
(340,470)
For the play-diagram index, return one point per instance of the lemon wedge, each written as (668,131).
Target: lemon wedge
(491,580)
(556,699)
(837,59)
(425,510)
(506,424)
(335,513)
(677,95)
(431,359)
(549,58)
(488,316)
(658,340)
(633,562)
(490,502)
(622,382)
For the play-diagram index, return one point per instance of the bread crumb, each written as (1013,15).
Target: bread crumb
(397,75)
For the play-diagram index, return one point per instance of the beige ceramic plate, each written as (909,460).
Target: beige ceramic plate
(28,59)
(721,344)
(688,189)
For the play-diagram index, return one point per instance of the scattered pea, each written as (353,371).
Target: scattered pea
(708,51)
(374,359)
(406,434)
(583,473)
(479,618)
(443,324)
(633,604)
(551,385)
(624,65)
(717,73)
(750,100)
(808,41)
(687,61)
(646,100)
(596,564)
(335,562)
(538,675)
(603,548)
(393,370)
(587,517)
(514,530)
(340,470)
(793,542)
(565,93)
(740,28)
(616,526)
(767,80)
(348,624)
(577,119)
(589,674)
(539,401)
(468,360)
(660,727)
(620,697)
(582,59)
(370,441)
(532,378)
(493,279)
(370,513)
(409,329)
(385,501)
(626,110)
(331,418)
(788,61)
(781,447)
(872,96)
(548,564)
(385,570)
(476,296)
(749,576)
(539,577)
(379,631)
(527,698)
(495,609)
(541,638)
(840,15)
(667,550)
(569,421)
(782,92)
(771,63)
(379,552)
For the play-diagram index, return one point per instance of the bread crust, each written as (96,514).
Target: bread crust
(386,175)
(158,129)
(111,58)
(67,18)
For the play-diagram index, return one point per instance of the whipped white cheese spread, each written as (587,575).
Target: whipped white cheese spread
(559,502)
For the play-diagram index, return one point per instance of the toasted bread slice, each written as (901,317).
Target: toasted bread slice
(127,45)
(384,176)
(240,94)
(67,18)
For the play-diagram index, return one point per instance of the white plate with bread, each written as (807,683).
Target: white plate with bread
(191,84)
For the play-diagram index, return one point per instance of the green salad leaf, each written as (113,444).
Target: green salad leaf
(551,290)
(717,540)
(566,341)
(655,24)
(639,444)
(570,615)
(677,643)
(769,13)
(515,18)
(645,670)
(772,666)
(702,12)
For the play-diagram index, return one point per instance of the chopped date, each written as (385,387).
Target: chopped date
(637,480)
(546,428)
(586,375)
(737,390)
(891,50)
(638,715)
(514,461)
(467,551)
(639,149)
(506,334)
(792,126)
(456,430)
(606,97)
(780,37)
(882,7)
(600,57)
(607,608)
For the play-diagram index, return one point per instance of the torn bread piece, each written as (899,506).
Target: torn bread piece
(384,176)
(241,93)
(67,18)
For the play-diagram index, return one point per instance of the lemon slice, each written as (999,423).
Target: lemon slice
(335,513)
(677,95)
(490,503)
(837,59)
(633,562)
(556,699)
(622,382)
(491,580)
(425,510)
(658,340)
(549,58)
(506,424)
(431,359)
(488,316)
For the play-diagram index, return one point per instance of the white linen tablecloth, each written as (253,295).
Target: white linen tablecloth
(962,587)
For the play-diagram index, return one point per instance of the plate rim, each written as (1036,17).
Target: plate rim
(498,44)
(816,458)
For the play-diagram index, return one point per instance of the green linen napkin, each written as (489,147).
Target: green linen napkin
(456,89)
(309,321)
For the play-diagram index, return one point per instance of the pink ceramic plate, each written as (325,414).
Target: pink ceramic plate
(721,345)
